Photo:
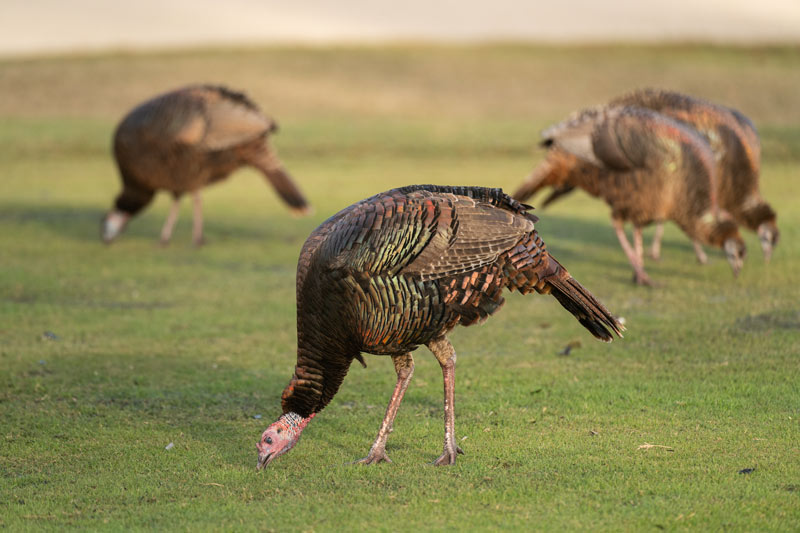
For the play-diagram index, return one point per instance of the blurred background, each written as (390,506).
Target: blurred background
(108,354)
(50,25)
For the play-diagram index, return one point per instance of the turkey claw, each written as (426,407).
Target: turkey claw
(373,459)
(447,457)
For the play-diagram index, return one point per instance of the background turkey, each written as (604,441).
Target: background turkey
(734,140)
(186,139)
(648,168)
(401,269)
(736,146)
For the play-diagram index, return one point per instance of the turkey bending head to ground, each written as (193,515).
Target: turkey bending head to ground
(399,270)
(733,140)
(648,168)
(184,140)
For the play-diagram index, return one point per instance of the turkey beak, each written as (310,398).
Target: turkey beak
(735,259)
(263,460)
(768,237)
(766,247)
(736,267)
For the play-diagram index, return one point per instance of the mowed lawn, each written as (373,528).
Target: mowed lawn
(108,354)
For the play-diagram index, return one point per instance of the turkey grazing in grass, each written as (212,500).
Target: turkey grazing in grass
(647,167)
(186,139)
(401,269)
(737,148)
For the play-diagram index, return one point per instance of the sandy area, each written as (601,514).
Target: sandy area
(33,26)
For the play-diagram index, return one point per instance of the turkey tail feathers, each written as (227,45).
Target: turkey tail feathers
(530,267)
(286,188)
(576,299)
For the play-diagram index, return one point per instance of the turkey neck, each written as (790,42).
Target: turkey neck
(324,353)
(293,423)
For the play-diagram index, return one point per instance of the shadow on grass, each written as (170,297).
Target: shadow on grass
(571,239)
(779,319)
(82,223)
(160,386)
(76,223)
(79,223)
(559,228)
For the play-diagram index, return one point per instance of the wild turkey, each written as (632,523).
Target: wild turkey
(737,148)
(186,139)
(647,167)
(734,141)
(401,269)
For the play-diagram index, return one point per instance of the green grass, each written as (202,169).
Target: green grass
(186,346)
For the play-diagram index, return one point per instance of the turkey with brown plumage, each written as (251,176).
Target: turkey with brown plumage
(648,168)
(737,151)
(184,140)
(734,140)
(399,270)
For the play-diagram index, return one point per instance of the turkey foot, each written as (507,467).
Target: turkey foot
(448,457)
(374,457)
(641,278)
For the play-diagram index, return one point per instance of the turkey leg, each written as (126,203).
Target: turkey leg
(197,219)
(404,366)
(172,218)
(639,275)
(655,247)
(638,245)
(446,355)
(702,258)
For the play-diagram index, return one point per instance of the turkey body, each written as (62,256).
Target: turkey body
(646,166)
(401,269)
(737,158)
(737,150)
(184,140)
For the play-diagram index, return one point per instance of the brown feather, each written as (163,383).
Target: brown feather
(404,267)
(651,168)
(186,139)
(734,140)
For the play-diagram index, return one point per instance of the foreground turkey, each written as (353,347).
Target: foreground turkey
(648,168)
(737,149)
(186,139)
(401,269)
